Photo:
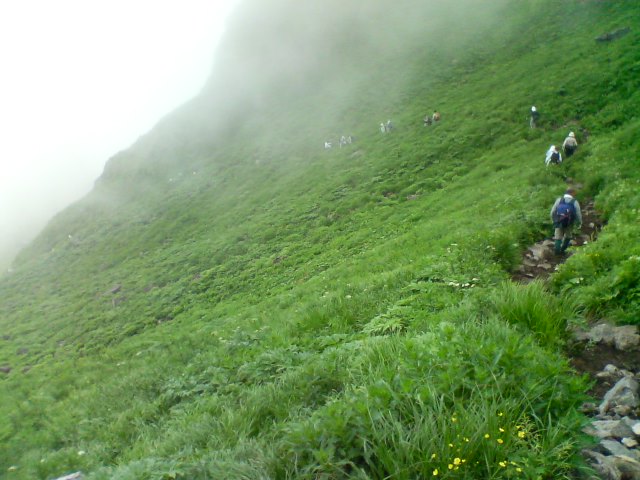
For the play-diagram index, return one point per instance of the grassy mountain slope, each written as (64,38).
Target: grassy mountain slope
(236,302)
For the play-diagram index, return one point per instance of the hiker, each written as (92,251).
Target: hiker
(327,145)
(436,116)
(383,129)
(570,144)
(389,126)
(427,121)
(553,156)
(565,214)
(343,141)
(534,117)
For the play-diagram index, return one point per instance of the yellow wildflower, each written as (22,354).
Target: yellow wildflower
(519,470)
(433,455)
(454,419)
(435,472)
(500,441)
(451,466)
(501,429)
(500,414)
(521,434)
(486,435)
(502,464)
(456,461)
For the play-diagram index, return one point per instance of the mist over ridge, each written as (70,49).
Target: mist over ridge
(317,61)
(286,75)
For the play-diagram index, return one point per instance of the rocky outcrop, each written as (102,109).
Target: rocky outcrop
(622,338)
(617,427)
(72,476)
(615,35)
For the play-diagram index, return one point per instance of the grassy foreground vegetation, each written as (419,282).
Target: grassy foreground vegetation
(259,308)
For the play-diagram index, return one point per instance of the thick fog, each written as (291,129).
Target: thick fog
(82,81)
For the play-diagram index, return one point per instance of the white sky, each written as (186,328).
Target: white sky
(81,80)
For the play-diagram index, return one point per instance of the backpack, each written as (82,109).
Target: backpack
(565,213)
(555,157)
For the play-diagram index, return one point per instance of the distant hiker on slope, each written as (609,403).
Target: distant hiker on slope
(565,214)
(389,126)
(327,145)
(534,117)
(383,129)
(436,116)
(570,144)
(553,156)
(427,120)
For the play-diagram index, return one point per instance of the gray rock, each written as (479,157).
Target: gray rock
(626,337)
(622,338)
(602,333)
(625,392)
(629,442)
(71,476)
(539,251)
(636,428)
(629,468)
(616,448)
(589,408)
(622,410)
(5,369)
(608,429)
(615,35)
(604,465)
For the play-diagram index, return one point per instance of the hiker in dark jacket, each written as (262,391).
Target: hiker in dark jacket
(534,117)
(565,215)
(570,144)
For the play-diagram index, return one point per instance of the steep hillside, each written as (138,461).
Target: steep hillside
(232,300)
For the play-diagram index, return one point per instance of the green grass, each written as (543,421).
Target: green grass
(289,312)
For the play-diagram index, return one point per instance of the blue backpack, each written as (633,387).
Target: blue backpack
(565,213)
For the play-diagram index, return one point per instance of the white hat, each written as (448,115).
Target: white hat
(571,134)
(533,109)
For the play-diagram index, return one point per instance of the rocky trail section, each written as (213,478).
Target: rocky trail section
(540,261)
(611,356)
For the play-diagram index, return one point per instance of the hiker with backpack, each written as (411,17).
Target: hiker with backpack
(570,144)
(565,214)
(553,156)
(534,117)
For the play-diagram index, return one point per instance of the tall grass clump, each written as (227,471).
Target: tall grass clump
(531,306)
(442,410)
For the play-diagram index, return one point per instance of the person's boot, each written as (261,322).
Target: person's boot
(565,245)
(557,247)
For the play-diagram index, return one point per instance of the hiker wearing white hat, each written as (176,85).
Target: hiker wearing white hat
(534,117)
(570,144)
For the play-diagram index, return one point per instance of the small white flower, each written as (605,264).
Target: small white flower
(348,297)
(81,452)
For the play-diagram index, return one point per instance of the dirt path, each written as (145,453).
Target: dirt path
(539,260)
